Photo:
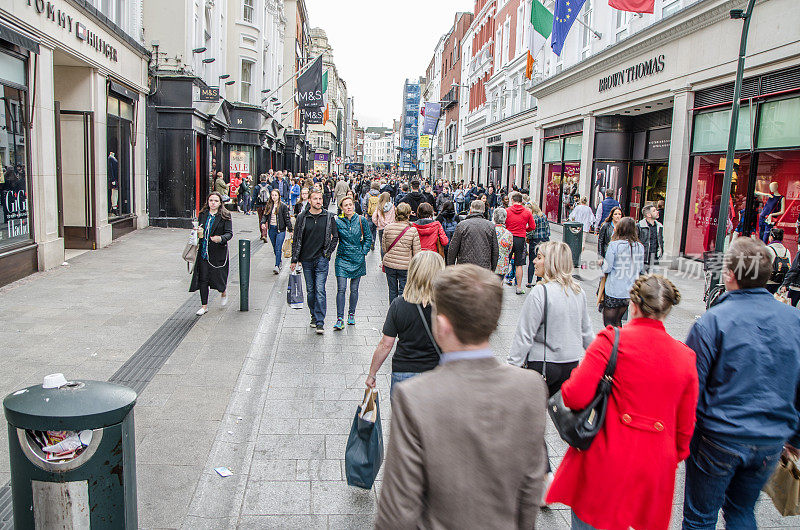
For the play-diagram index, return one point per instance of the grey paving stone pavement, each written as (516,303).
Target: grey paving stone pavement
(257,392)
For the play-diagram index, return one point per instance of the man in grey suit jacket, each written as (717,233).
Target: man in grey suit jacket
(467,442)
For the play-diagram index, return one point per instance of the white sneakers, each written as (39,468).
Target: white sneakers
(224,299)
(276,270)
(202,311)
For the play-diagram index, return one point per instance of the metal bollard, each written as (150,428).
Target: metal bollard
(244,274)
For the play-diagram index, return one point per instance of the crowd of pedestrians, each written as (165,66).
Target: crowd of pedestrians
(467,446)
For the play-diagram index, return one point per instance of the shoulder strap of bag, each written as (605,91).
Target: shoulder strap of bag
(612,360)
(361,226)
(397,239)
(544,362)
(428,329)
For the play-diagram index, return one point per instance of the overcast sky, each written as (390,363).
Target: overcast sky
(377,44)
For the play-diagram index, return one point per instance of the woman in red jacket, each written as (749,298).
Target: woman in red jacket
(627,477)
(430,231)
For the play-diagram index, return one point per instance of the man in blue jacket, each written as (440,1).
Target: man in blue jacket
(608,204)
(748,411)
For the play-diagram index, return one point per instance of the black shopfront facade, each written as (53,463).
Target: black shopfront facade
(631,155)
(195,140)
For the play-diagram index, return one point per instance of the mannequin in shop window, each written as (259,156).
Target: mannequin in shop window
(773,209)
(113,186)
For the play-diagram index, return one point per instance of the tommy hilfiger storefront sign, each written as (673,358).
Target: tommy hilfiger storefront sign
(632,73)
(81,32)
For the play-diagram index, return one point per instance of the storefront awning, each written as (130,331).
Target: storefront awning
(14,37)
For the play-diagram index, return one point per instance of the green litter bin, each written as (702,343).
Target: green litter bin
(72,455)
(573,237)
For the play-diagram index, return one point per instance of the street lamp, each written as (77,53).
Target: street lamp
(722,220)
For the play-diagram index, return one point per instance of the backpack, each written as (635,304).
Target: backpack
(780,266)
(372,204)
(263,193)
(449,227)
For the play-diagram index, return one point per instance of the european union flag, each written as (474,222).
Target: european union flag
(564,16)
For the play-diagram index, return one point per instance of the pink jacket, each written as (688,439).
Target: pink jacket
(382,219)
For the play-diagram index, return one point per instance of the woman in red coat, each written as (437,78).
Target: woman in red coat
(627,477)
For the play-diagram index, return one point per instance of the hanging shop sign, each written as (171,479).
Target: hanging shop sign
(66,21)
(632,73)
(209,94)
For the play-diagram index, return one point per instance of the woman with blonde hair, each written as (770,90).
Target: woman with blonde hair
(553,329)
(409,322)
(626,479)
(399,243)
(383,215)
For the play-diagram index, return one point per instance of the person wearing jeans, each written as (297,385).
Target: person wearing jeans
(416,350)
(355,241)
(315,240)
(276,221)
(749,385)
(400,243)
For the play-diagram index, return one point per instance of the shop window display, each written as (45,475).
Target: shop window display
(783,169)
(118,163)
(14,213)
(707,176)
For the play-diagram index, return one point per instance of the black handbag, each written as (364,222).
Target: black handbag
(579,427)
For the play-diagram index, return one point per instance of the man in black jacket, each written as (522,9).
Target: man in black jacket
(651,235)
(315,240)
(414,199)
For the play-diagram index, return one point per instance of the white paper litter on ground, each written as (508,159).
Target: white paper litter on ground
(223,471)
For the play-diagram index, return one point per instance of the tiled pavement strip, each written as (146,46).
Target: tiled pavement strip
(257,392)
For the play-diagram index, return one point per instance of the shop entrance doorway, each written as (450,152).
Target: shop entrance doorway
(75,168)
(648,186)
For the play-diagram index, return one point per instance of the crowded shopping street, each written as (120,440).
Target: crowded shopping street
(454,265)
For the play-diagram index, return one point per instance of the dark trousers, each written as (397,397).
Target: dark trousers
(341,292)
(260,210)
(557,374)
(373,230)
(315,273)
(276,238)
(727,475)
(396,278)
(203,269)
(793,296)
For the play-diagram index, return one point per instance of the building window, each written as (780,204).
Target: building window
(14,211)
(586,34)
(670,7)
(621,24)
(247,10)
(246,82)
(562,169)
(119,127)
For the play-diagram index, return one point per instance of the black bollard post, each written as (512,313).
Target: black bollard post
(244,274)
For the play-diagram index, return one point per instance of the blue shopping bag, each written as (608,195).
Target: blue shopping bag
(294,293)
(364,452)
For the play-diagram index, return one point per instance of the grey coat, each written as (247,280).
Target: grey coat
(462,452)
(474,241)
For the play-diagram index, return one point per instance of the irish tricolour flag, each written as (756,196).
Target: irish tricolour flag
(542,21)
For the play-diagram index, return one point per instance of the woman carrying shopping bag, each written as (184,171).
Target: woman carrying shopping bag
(276,222)
(409,323)
(355,241)
(215,229)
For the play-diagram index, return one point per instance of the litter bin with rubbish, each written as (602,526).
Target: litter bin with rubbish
(573,237)
(72,455)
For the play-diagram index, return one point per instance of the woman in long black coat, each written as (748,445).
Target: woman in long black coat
(211,265)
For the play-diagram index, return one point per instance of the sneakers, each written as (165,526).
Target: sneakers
(320,329)
(276,270)
(339,324)
(224,299)
(313,323)
(351,320)
(202,311)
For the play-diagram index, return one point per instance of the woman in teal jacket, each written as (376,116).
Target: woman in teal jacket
(355,241)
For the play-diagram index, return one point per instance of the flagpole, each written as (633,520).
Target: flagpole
(299,72)
(585,25)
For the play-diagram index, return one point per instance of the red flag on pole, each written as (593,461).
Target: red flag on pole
(635,6)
